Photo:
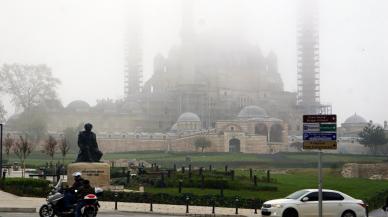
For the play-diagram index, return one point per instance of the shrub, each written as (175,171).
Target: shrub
(377,201)
(26,186)
(199,200)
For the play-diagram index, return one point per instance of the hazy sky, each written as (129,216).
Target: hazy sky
(83,43)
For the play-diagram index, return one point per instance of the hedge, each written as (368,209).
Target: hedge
(162,198)
(377,201)
(25,186)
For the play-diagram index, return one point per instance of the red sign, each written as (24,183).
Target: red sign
(319,118)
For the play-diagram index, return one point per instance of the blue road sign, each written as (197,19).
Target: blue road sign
(320,136)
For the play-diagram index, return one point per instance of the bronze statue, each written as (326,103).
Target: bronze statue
(88,148)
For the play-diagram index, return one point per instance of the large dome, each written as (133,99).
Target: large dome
(189,117)
(252,111)
(78,104)
(355,119)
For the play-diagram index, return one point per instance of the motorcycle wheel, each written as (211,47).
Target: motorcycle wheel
(89,212)
(46,211)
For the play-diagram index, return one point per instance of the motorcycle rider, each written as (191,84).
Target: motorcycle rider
(69,195)
(78,181)
(84,190)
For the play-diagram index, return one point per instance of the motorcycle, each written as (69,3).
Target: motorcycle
(55,204)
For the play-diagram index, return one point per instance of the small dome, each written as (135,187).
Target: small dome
(252,111)
(78,104)
(355,119)
(189,117)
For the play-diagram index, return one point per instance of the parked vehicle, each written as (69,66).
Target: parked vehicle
(304,203)
(55,204)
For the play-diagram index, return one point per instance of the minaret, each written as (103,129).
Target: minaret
(188,42)
(308,90)
(133,73)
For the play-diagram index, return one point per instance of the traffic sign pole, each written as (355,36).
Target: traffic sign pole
(320,132)
(320,183)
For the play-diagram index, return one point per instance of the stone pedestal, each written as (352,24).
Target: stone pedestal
(97,173)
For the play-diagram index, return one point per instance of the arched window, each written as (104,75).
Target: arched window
(261,129)
(276,133)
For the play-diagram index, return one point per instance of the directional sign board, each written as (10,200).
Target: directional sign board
(319,132)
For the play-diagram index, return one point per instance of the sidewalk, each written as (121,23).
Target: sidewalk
(12,203)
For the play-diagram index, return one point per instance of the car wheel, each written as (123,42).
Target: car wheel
(46,211)
(348,213)
(290,213)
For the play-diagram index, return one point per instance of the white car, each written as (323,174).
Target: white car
(304,203)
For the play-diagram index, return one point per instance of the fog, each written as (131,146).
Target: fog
(83,43)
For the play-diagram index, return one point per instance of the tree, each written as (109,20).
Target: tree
(8,144)
(3,113)
(32,123)
(64,147)
(373,137)
(50,146)
(202,143)
(22,150)
(28,85)
(71,135)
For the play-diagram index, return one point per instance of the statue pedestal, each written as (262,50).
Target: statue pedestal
(97,173)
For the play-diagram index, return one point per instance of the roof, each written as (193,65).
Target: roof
(355,119)
(252,111)
(188,117)
(78,104)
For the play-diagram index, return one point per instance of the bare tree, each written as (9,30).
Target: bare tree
(3,112)
(32,123)
(29,85)
(64,147)
(50,146)
(22,150)
(71,135)
(8,144)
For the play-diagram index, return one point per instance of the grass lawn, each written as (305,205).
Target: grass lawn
(293,181)
(234,160)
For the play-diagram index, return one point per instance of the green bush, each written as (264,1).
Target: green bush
(214,183)
(26,186)
(377,201)
(162,198)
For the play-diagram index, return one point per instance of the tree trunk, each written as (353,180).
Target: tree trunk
(23,169)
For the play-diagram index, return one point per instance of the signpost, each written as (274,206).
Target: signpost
(320,132)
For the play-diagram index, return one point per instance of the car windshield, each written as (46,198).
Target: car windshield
(296,195)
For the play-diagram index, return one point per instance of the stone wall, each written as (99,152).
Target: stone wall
(369,171)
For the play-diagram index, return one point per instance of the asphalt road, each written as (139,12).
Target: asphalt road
(2,214)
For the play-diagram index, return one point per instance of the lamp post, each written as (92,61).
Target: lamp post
(187,204)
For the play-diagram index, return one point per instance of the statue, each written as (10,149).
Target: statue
(88,148)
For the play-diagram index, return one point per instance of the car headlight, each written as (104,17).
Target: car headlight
(277,205)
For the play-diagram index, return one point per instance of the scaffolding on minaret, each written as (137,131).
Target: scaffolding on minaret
(308,61)
(133,69)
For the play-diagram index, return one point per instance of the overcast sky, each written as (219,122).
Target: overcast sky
(83,43)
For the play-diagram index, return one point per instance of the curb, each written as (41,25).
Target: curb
(18,209)
(173,214)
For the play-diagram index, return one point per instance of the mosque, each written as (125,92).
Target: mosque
(212,85)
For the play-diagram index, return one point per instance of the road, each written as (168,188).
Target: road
(2,214)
